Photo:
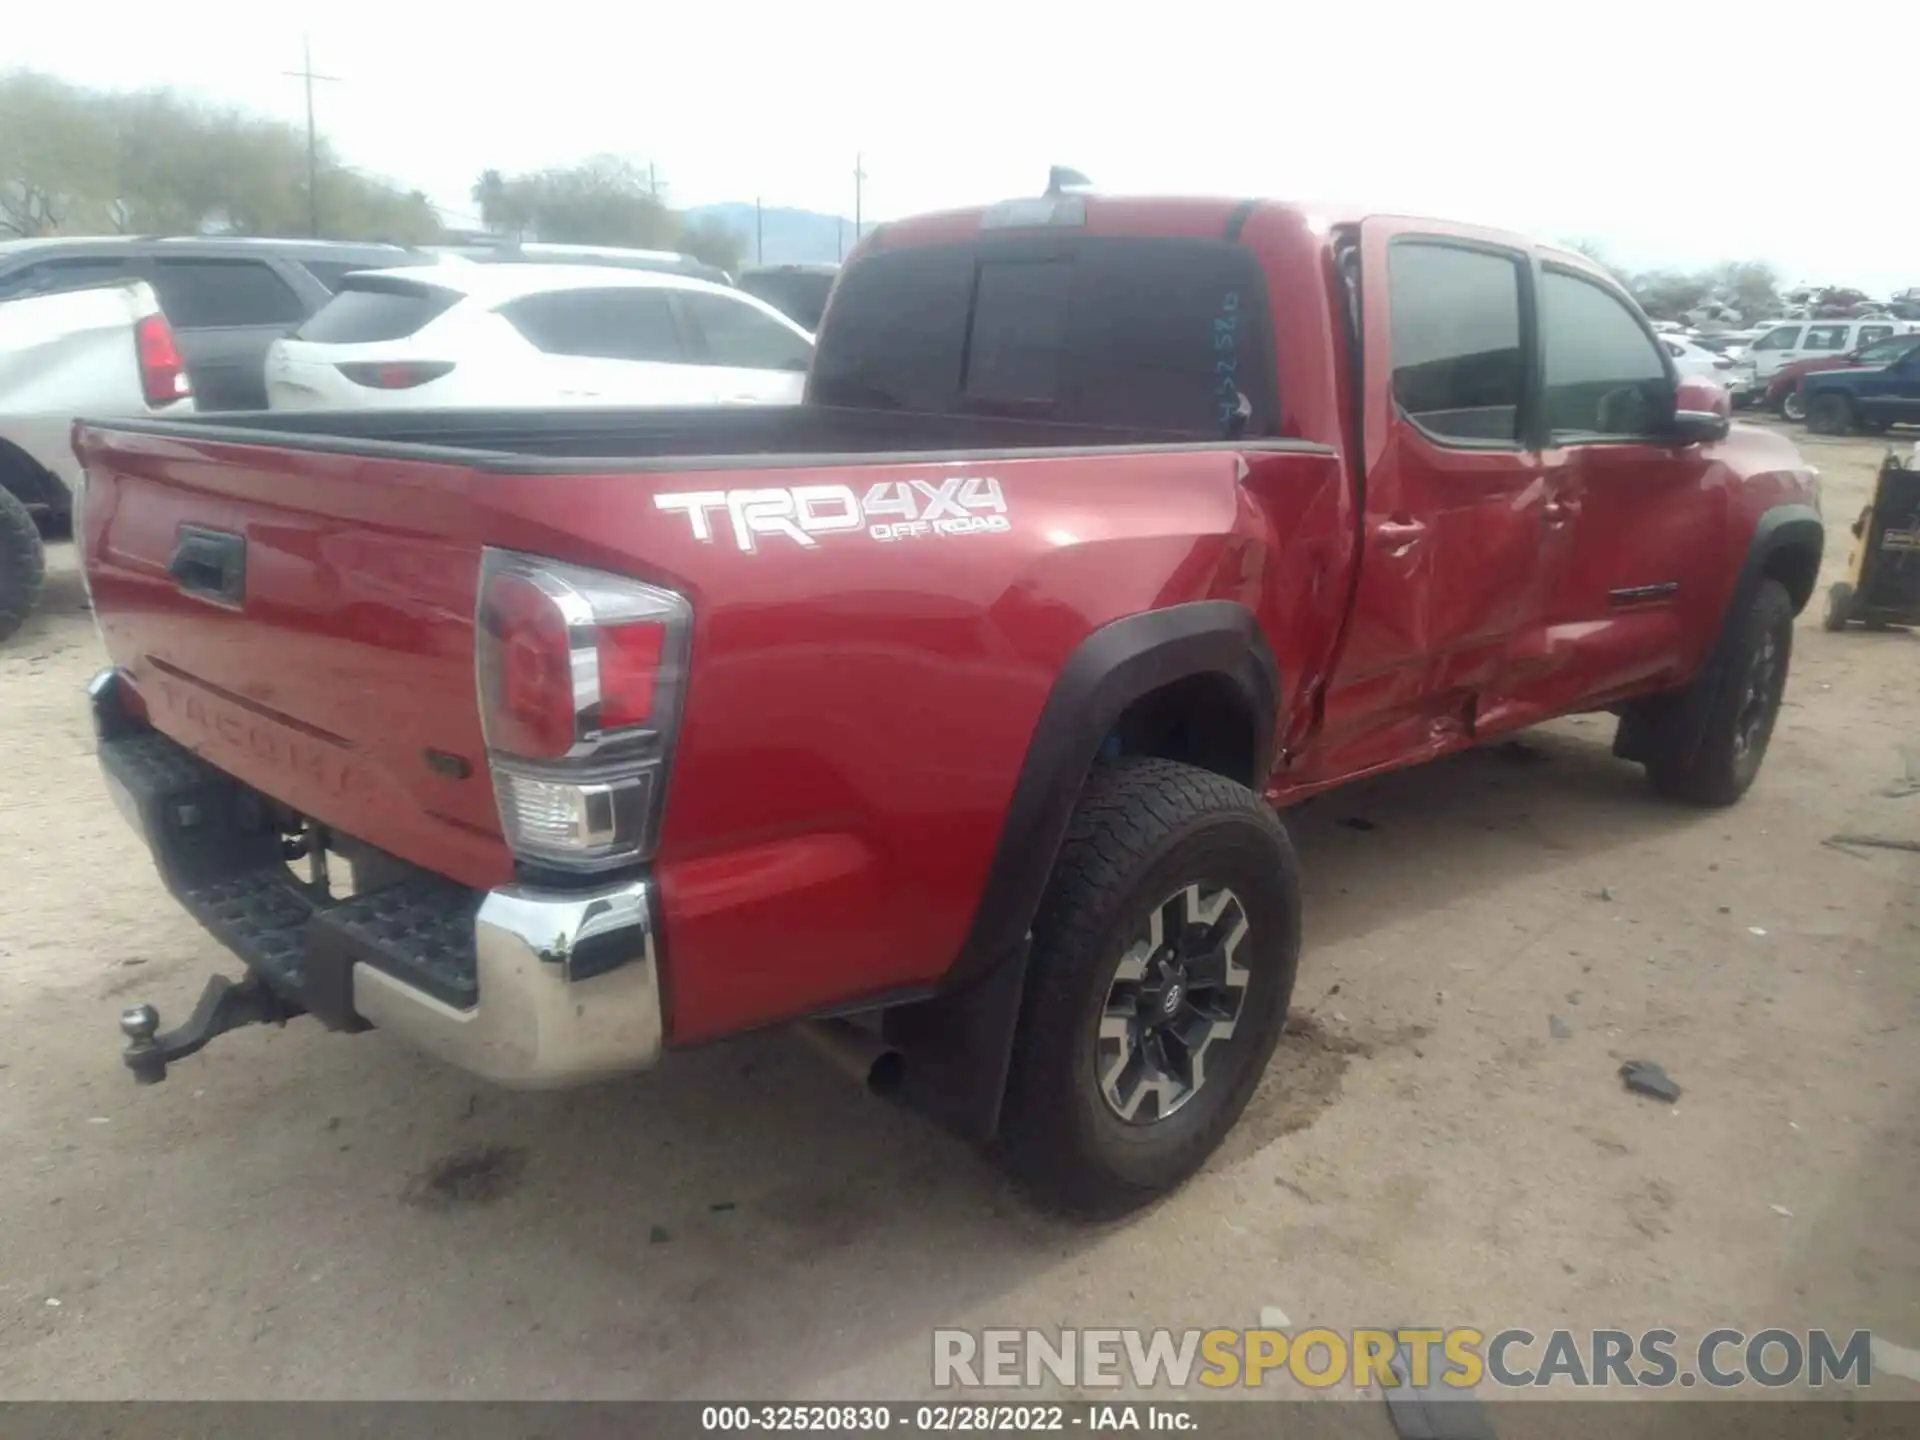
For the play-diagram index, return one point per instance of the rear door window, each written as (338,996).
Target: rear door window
(376,308)
(733,333)
(224,294)
(604,323)
(1158,334)
(1458,364)
(1823,339)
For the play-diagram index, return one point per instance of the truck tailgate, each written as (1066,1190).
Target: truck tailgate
(304,621)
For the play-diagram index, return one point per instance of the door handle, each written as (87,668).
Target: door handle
(1559,512)
(210,564)
(1398,534)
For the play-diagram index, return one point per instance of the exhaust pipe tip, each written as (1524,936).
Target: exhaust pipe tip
(859,1054)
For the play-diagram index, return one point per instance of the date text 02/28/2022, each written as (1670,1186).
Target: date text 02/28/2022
(948,1418)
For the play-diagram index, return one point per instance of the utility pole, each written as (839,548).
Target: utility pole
(759,235)
(305,73)
(858,176)
(653,181)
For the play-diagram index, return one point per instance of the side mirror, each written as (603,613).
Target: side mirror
(1702,413)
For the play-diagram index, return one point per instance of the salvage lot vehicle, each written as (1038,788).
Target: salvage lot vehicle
(1785,344)
(105,350)
(1783,391)
(1863,398)
(1694,362)
(226,297)
(958,698)
(461,334)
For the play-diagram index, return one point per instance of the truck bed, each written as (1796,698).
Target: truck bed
(703,437)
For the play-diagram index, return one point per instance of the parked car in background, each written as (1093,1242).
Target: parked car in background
(1866,398)
(1690,360)
(226,297)
(1802,340)
(1783,395)
(521,335)
(532,252)
(1730,343)
(797,291)
(104,350)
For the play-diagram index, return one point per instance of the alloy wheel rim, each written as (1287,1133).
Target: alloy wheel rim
(1756,698)
(1176,995)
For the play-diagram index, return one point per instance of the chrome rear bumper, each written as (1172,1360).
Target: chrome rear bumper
(538,1024)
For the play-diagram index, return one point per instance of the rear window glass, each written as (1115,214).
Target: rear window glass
(1159,334)
(1019,330)
(369,310)
(223,294)
(331,273)
(52,277)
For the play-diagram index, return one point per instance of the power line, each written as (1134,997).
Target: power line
(305,73)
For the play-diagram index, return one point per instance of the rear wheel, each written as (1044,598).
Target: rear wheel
(1162,967)
(23,564)
(1829,415)
(1794,407)
(1741,702)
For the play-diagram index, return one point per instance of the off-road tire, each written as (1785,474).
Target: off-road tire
(23,564)
(1724,763)
(1793,406)
(1839,603)
(1143,831)
(1830,414)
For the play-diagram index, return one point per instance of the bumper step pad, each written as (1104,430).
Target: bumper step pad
(222,860)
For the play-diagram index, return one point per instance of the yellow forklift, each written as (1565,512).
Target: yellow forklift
(1882,587)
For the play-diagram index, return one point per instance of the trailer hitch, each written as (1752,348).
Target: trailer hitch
(224,1005)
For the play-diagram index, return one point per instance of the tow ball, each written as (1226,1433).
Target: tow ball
(224,1005)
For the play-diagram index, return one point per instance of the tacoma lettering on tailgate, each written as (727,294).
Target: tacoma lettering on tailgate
(257,736)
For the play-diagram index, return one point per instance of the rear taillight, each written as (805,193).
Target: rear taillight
(580,676)
(163,374)
(394,374)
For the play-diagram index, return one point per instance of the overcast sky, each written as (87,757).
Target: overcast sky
(1668,133)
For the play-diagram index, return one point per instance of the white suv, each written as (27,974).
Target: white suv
(460,334)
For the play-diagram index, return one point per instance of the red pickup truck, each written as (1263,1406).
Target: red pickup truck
(947,714)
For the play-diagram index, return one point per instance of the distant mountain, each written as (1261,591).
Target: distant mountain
(787,237)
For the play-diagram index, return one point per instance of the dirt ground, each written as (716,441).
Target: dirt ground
(295,1214)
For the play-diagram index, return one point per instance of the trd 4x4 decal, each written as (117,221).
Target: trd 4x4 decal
(891,510)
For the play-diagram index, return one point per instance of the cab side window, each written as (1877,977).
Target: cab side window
(1785,338)
(1459,369)
(1605,379)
